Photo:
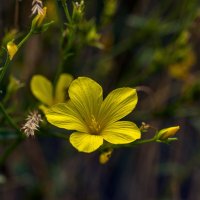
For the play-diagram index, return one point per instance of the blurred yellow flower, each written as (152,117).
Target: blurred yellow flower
(43,90)
(93,118)
(12,49)
(110,8)
(52,11)
(181,69)
(168,132)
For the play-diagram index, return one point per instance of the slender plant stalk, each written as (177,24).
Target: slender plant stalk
(20,138)
(66,52)
(137,142)
(54,134)
(8,61)
(58,71)
(10,149)
(60,68)
(8,118)
(65,7)
(5,67)
(143,141)
(30,33)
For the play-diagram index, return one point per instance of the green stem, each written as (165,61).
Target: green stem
(54,134)
(68,46)
(30,33)
(65,54)
(137,142)
(58,72)
(20,138)
(5,67)
(64,5)
(9,150)
(60,69)
(143,141)
(8,118)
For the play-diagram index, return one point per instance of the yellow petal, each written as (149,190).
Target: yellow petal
(12,49)
(121,132)
(86,95)
(42,89)
(65,115)
(118,104)
(85,142)
(62,85)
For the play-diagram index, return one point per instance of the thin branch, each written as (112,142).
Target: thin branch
(64,5)
(8,118)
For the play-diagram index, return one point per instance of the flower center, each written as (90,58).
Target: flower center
(94,126)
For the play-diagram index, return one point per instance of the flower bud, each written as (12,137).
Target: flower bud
(39,18)
(12,49)
(14,85)
(105,156)
(167,132)
(78,11)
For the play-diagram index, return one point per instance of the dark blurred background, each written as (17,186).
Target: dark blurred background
(149,44)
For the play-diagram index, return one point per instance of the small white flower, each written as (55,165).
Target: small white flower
(32,123)
(37,7)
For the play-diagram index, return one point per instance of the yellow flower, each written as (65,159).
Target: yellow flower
(93,119)
(43,90)
(182,69)
(12,49)
(168,132)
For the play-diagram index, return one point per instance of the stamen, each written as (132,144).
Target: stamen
(94,126)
